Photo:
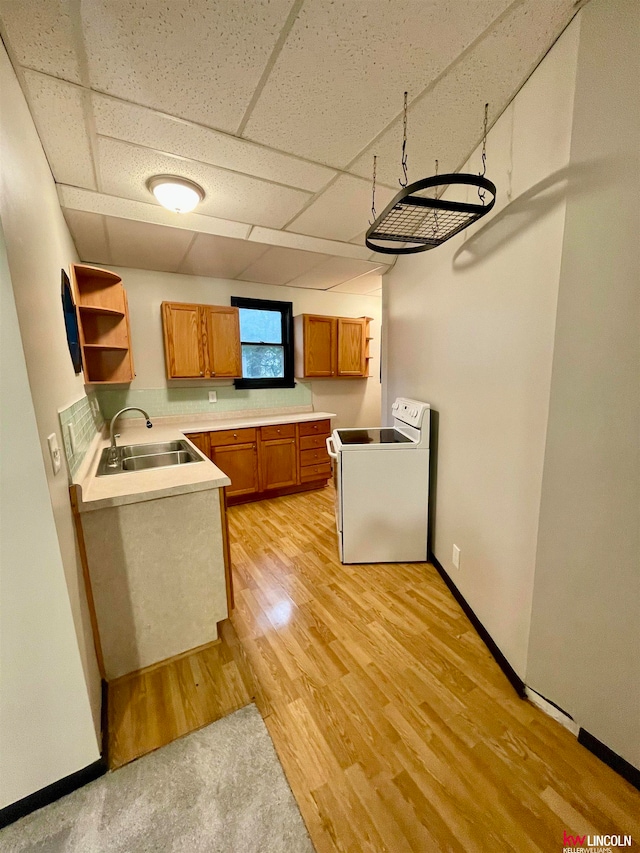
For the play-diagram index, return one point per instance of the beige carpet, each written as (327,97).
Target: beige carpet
(219,790)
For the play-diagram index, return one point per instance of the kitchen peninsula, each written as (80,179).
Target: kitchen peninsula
(154,542)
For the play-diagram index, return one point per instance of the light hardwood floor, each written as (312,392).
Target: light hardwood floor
(396,728)
(150,709)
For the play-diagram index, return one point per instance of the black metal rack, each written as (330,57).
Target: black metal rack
(420,222)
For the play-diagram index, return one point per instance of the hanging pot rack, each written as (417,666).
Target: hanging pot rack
(420,222)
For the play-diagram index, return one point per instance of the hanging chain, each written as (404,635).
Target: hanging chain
(373,193)
(435,210)
(404,145)
(482,193)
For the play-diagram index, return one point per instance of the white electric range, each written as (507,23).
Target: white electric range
(382,487)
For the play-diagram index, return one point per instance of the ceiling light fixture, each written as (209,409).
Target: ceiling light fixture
(174,193)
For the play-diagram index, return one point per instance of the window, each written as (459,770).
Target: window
(266,340)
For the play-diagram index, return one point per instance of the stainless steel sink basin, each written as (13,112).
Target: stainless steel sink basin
(150,449)
(142,457)
(157,460)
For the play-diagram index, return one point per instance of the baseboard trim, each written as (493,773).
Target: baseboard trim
(616,762)
(53,792)
(552,710)
(512,676)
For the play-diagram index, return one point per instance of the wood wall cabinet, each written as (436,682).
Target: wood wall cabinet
(270,460)
(331,347)
(201,341)
(103,324)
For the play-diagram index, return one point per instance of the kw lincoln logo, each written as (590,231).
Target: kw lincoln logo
(594,843)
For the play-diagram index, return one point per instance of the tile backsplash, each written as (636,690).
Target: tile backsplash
(161,402)
(86,419)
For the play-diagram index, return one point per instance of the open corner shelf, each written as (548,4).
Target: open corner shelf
(103,320)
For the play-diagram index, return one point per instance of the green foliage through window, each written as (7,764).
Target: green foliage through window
(266,339)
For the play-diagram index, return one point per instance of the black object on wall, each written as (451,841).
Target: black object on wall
(71,322)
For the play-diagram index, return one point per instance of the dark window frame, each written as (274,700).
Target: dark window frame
(286,315)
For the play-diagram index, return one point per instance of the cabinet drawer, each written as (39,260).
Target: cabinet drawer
(277,431)
(315,472)
(232,436)
(315,428)
(314,457)
(310,442)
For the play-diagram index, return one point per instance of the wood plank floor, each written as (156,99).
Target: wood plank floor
(150,709)
(395,726)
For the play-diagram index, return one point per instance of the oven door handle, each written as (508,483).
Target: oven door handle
(330,444)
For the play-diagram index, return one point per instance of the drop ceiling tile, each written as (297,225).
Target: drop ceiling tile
(58,111)
(308,244)
(366,285)
(280,266)
(41,35)
(89,234)
(332,272)
(342,210)
(446,123)
(145,246)
(220,257)
(192,58)
(176,136)
(125,169)
(346,64)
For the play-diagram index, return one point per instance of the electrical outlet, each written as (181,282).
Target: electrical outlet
(54,452)
(455,558)
(95,406)
(213,396)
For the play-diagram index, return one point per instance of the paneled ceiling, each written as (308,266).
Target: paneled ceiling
(275,107)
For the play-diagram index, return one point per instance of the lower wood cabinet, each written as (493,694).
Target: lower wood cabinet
(236,453)
(278,457)
(266,461)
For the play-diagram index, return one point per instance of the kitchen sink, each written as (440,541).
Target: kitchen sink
(142,457)
(151,449)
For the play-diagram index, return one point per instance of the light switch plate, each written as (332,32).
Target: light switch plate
(54,452)
(71,432)
(213,396)
(455,557)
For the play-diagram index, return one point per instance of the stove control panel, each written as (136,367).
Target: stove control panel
(411,412)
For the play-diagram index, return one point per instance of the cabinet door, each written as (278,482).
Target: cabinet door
(352,340)
(319,345)
(201,441)
(223,342)
(183,349)
(278,463)
(240,463)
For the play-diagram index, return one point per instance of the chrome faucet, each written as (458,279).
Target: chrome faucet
(113,450)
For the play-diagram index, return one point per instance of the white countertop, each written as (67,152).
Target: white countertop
(136,486)
(238,422)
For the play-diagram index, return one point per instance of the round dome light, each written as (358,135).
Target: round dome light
(177,194)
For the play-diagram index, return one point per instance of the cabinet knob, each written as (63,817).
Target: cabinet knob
(315,426)
(278,430)
(202,373)
(235,435)
(213,373)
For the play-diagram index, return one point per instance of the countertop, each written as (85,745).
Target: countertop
(95,493)
(264,420)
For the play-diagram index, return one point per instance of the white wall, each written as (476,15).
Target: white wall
(38,246)
(356,401)
(470,329)
(46,728)
(586,602)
